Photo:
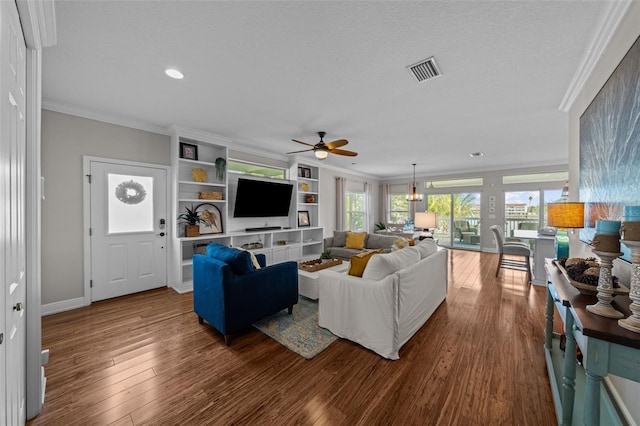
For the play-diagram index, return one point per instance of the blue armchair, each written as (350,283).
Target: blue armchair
(231,294)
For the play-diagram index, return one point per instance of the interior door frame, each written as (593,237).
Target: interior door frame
(86,202)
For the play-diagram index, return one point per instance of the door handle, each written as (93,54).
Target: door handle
(18,307)
(160,234)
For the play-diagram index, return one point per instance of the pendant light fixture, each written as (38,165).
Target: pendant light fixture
(414,196)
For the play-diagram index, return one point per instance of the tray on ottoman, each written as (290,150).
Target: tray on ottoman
(318,264)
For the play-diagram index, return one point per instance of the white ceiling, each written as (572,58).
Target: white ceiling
(262,73)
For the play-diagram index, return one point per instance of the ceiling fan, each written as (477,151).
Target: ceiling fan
(321,150)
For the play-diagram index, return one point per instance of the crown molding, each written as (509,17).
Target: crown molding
(106,118)
(200,135)
(614,12)
(38,19)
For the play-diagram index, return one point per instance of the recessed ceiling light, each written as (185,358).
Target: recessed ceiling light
(173,73)
(475,154)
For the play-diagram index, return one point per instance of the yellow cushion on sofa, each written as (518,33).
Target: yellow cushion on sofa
(359,262)
(355,240)
(399,244)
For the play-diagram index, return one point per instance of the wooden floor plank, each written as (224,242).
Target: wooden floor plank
(143,359)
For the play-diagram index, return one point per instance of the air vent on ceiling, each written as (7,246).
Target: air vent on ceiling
(425,70)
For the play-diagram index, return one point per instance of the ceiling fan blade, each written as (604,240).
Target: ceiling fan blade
(297,152)
(343,152)
(303,143)
(337,144)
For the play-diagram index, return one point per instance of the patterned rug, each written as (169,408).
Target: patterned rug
(299,331)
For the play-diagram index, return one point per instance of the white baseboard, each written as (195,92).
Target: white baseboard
(61,306)
(186,288)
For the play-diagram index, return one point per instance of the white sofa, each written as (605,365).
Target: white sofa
(396,295)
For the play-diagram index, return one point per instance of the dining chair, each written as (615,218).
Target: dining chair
(512,249)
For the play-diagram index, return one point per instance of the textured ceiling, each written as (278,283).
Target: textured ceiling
(262,73)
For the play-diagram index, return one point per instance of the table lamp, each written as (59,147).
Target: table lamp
(426,221)
(562,216)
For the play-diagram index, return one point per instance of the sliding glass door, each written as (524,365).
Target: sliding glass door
(458,219)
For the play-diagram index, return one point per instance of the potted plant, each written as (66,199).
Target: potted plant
(325,256)
(192,220)
(381,226)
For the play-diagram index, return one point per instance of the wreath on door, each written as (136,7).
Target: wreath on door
(131,192)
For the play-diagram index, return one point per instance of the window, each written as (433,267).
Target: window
(355,210)
(130,203)
(537,177)
(453,183)
(255,169)
(398,208)
(521,211)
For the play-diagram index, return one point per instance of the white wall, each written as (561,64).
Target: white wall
(65,139)
(625,36)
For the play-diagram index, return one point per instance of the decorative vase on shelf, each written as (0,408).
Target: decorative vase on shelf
(221,168)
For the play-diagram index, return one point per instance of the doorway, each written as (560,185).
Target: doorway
(126,210)
(458,219)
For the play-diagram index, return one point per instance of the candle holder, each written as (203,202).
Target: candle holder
(633,322)
(605,287)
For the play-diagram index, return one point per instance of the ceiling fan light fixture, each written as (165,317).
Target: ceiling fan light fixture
(321,154)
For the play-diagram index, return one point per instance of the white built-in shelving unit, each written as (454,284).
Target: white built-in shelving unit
(291,242)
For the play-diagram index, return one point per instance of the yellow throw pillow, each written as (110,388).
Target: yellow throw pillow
(399,244)
(412,242)
(355,240)
(359,262)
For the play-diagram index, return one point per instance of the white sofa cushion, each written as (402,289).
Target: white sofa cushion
(387,263)
(426,247)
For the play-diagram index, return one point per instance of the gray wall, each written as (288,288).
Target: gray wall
(625,36)
(65,139)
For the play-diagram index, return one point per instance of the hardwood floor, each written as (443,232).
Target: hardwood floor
(144,359)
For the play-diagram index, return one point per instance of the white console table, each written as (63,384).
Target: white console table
(544,247)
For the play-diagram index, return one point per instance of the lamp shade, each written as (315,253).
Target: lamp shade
(426,220)
(565,215)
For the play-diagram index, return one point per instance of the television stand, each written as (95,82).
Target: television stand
(263,228)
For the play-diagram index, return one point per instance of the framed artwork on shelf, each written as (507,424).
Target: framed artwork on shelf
(306,172)
(303,218)
(212,219)
(188,151)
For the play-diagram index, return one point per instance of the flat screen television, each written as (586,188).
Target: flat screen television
(258,198)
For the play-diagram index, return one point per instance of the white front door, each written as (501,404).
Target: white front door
(128,229)
(12,218)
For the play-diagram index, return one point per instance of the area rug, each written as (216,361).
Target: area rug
(299,331)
